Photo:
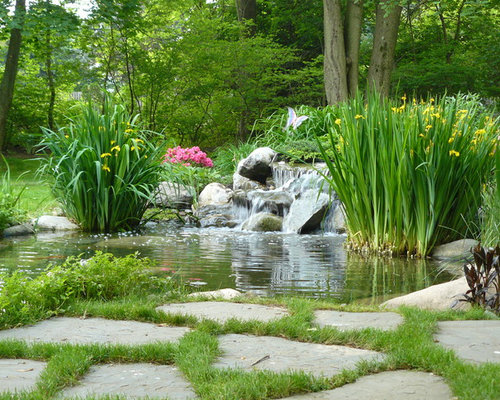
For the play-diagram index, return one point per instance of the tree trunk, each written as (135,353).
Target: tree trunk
(335,59)
(384,46)
(352,38)
(10,72)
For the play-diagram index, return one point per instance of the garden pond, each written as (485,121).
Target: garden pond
(311,265)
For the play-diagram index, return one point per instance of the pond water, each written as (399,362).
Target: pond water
(265,263)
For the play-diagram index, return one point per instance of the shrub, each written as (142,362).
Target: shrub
(409,175)
(299,143)
(188,157)
(104,169)
(24,299)
(483,278)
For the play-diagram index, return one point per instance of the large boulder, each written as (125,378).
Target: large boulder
(53,223)
(272,201)
(18,230)
(444,296)
(242,183)
(214,193)
(173,195)
(263,222)
(257,166)
(457,250)
(215,215)
(307,212)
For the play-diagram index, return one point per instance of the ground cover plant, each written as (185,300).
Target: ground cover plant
(410,346)
(105,170)
(410,174)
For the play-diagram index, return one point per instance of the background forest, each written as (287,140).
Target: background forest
(201,72)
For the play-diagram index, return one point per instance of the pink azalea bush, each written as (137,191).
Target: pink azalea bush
(188,157)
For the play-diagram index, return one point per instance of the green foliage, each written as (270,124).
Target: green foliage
(104,169)
(483,278)
(9,212)
(24,299)
(490,215)
(227,158)
(190,177)
(410,175)
(301,143)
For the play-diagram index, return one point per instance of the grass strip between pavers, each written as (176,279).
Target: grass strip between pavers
(410,346)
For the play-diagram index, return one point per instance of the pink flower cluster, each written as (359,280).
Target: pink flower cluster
(188,156)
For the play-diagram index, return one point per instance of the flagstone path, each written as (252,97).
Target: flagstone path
(94,330)
(476,341)
(393,385)
(222,311)
(280,355)
(133,381)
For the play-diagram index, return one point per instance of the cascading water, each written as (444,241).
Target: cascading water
(301,191)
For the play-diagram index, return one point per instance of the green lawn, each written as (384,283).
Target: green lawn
(36,198)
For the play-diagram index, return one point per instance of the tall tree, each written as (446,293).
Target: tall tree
(10,72)
(384,46)
(342,43)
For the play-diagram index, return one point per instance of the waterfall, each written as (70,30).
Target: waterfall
(301,190)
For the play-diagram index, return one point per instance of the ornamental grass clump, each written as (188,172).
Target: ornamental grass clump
(105,171)
(410,174)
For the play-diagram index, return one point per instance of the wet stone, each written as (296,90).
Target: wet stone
(222,311)
(281,355)
(357,320)
(94,330)
(19,374)
(133,381)
(476,341)
(407,385)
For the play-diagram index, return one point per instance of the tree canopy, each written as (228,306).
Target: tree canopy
(201,72)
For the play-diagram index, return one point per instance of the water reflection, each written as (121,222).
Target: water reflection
(268,264)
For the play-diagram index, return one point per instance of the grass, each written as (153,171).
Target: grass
(37,198)
(410,346)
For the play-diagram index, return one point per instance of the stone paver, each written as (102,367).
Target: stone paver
(18,374)
(94,330)
(476,341)
(357,320)
(404,385)
(222,311)
(134,381)
(279,355)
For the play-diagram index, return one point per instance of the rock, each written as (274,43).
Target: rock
(19,230)
(242,183)
(438,297)
(272,201)
(307,212)
(53,223)
(214,193)
(263,222)
(174,195)
(226,294)
(457,250)
(217,221)
(257,166)
(339,219)
(215,215)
